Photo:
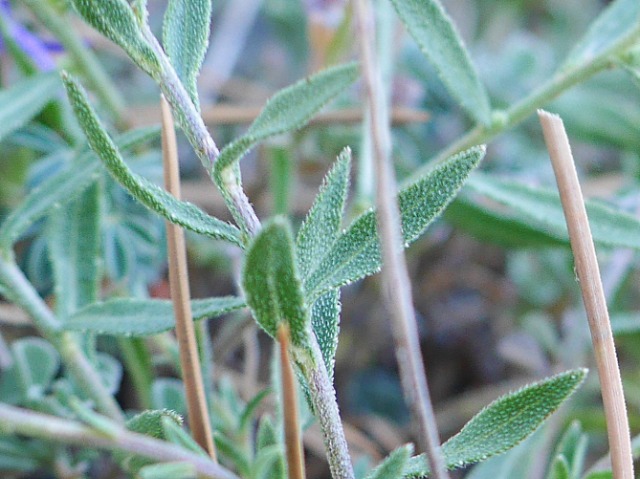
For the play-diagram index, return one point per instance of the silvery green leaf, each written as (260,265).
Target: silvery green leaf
(19,455)
(433,31)
(356,252)
(142,317)
(173,470)
(393,465)
(117,21)
(153,197)
(541,208)
(36,362)
(618,24)
(174,433)
(74,251)
(269,463)
(570,453)
(185,35)
(325,322)
(20,103)
(271,283)
(168,393)
(504,423)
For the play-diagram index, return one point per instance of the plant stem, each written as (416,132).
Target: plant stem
(398,296)
(178,280)
(563,80)
(323,397)
(592,293)
(293,439)
(83,58)
(15,420)
(23,294)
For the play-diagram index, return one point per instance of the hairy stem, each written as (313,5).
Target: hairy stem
(588,272)
(15,420)
(395,275)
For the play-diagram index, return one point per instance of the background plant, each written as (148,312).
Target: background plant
(87,232)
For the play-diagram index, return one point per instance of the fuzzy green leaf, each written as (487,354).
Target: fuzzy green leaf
(504,423)
(271,283)
(433,31)
(541,208)
(571,453)
(185,35)
(356,253)
(37,363)
(618,24)
(117,21)
(20,103)
(325,322)
(153,197)
(63,187)
(174,470)
(393,465)
(142,317)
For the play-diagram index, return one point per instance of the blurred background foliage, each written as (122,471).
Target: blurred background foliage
(497,308)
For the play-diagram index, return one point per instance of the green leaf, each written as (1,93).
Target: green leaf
(559,468)
(168,393)
(288,109)
(600,475)
(393,465)
(185,35)
(37,363)
(173,432)
(20,103)
(325,322)
(142,317)
(18,455)
(618,24)
(178,212)
(433,31)
(504,423)
(116,20)
(625,323)
(493,226)
(74,251)
(571,452)
(63,187)
(268,463)
(356,252)
(271,283)
(541,208)
(173,470)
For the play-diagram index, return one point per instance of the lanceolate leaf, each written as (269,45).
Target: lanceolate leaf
(185,35)
(504,423)
(325,322)
(431,27)
(356,253)
(619,23)
(541,208)
(393,465)
(63,187)
(142,317)
(271,284)
(116,20)
(20,103)
(179,212)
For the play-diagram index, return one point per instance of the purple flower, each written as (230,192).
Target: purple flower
(35,47)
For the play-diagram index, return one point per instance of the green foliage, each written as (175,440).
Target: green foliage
(185,35)
(174,470)
(356,252)
(504,423)
(436,36)
(570,454)
(393,466)
(116,20)
(142,317)
(20,103)
(542,209)
(36,363)
(179,212)
(272,285)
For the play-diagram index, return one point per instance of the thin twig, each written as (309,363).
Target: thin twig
(398,295)
(291,415)
(18,421)
(178,280)
(592,293)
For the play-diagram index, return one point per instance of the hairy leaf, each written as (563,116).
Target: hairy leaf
(431,27)
(142,317)
(185,35)
(20,103)
(356,253)
(504,423)
(153,197)
(271,283)
(37,363)
(542,209)
(619,23)
(393,466)
(116,20)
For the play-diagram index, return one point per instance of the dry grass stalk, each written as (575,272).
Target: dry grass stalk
(178,279)
(592,293)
